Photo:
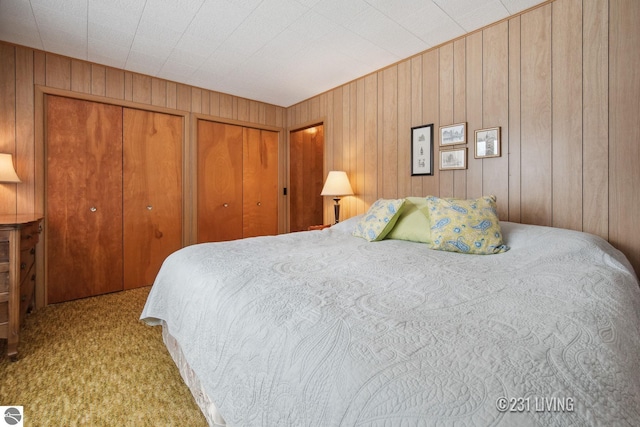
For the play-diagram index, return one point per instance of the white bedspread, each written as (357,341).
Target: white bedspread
(324,329)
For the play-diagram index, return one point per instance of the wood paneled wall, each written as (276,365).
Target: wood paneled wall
(559,81)
(23,69)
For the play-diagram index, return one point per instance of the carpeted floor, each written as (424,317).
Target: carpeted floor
(92,362)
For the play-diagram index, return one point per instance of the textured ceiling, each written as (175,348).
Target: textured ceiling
(276,51)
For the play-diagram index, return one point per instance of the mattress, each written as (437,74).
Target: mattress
(323,328)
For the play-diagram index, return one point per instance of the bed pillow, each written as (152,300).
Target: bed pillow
(379,219)
(413,222)
(466,226)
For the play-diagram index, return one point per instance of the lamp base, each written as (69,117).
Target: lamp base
(336,210)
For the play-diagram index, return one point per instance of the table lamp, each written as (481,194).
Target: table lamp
(337,185)
(7,171)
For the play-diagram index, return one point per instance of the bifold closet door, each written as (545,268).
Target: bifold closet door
(152,156)
(83,198)
(219,181)
(260,183)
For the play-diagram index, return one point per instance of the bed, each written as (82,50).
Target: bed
(322,328)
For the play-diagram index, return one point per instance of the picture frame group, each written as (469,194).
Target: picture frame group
(486,144)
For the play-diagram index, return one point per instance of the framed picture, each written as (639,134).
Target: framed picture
(487,143)
(422,150)
(453,134)
(453,159)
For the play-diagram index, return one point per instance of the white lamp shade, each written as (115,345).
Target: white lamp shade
(337,184)
(7,171)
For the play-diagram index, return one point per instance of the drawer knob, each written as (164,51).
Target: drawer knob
(226,205)
(23,266)
(259,203)
(149,207)
(93,209)
(32,251)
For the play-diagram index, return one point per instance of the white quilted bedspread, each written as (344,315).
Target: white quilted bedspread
(324,329)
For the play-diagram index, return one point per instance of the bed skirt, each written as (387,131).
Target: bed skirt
(207,407)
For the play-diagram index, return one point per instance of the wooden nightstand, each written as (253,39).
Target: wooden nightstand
(18,238)
(318,227)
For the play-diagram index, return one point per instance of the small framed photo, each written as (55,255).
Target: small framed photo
(453,159)
(487,143)
(453,134)
(422,150)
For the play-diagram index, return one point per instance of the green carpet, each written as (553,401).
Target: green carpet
(92,362)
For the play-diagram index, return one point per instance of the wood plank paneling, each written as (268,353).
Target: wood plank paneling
(141,88)
(431,114)
(80,76)
(474,111)
(58,71)
(370,139)
(536,116)
(114,83)
(98,80)
(446,103)
(624,127)
(389,141)
(403,135)
(7,122)
(513,151)
(495,112)
(567,114)
(25,149)
(595,114)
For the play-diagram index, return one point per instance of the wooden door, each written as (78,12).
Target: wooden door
(260,183)
(219,181)
(152,154)
(83,198)
(306,166)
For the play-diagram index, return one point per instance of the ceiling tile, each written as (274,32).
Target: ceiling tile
(18,25)
(472,14)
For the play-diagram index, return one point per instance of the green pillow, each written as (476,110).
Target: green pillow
(413,223)
(379,219)
(467,226)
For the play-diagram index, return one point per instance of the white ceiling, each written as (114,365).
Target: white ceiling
(276,51)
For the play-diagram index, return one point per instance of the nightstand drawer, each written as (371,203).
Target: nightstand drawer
(4,250)
(4,312)
(4,280)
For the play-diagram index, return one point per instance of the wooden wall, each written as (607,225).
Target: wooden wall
(24,72)
(558,79)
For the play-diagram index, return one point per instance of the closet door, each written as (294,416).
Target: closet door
(152,147)
(219,181)
(260,183)
(83,198)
